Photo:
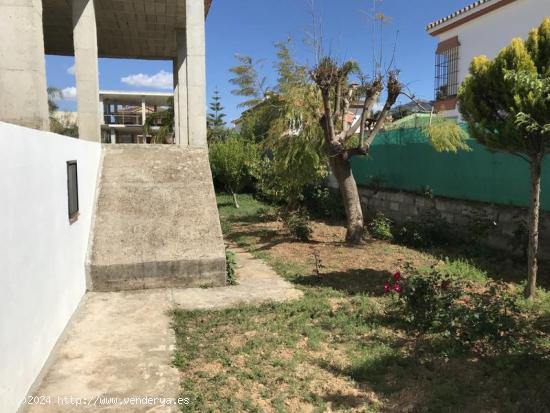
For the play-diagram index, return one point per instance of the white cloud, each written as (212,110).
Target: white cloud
(161,80)
(69,93)
(70,70)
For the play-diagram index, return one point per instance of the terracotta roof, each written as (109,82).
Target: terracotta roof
(463,11)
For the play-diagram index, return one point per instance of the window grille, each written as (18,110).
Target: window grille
(72,189)
(446,73)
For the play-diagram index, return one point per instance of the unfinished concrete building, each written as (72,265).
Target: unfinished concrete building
(156,221)
(125,114)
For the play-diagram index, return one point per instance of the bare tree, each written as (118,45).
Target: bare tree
(338,93)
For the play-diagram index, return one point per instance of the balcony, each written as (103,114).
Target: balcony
(128,119)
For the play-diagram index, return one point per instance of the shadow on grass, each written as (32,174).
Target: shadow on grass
(352,282)
(346,401)
(506,383)
(264,239)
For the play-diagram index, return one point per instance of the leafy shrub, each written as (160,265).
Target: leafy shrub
(230,267)
(324,202)
(430,230)
(447,136)
(413,234)
(232,162)
(290,164)
(519,240)
(438,231)
(485,320)
(426,302)
(380,227)
(479,226)
(298,224)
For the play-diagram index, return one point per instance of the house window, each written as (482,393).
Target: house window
(72,189)
(446,69)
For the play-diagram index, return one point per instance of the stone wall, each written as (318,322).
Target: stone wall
(401,206)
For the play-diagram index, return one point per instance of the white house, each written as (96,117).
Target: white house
(482,28)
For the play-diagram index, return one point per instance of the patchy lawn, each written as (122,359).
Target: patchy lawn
(338,349)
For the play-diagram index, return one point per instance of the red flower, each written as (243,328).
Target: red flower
(397,287)
(387,287)
(397,276)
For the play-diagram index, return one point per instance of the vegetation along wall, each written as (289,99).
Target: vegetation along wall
(403,159)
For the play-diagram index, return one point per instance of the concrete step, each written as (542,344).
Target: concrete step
(156,221)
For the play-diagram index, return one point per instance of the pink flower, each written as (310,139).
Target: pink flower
(387,287)
(397,287)
(397,276)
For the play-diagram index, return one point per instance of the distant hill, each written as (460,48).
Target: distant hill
(420,106)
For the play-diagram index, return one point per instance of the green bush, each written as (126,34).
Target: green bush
(413,234)
(519,240)
(324,202)
(230,267)
(298,224)
(483,319)
(284,177)
(429,231)
(479,227)
(232,162)
(380,227)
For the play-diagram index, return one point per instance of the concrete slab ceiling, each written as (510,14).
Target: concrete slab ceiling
(151,98)
(138,29)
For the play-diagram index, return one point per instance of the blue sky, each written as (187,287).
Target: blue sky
(251,27)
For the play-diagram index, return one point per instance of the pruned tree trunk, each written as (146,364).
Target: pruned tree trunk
(334,84)
(534,217)
(350,196)
(235,200)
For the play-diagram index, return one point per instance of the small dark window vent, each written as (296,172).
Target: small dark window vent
(72,188)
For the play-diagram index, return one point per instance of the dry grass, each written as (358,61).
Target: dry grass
(337,349)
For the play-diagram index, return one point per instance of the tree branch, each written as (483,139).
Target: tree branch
(337,99)
(329,122)
(394,90)
(347,99)
(373,92)
(361,151)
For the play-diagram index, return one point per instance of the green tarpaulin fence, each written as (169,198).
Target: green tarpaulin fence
(404,159)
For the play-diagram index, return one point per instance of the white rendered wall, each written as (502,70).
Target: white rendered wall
(42,256)
(490,33)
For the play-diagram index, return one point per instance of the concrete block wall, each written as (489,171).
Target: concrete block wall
(42,254)
(401,206)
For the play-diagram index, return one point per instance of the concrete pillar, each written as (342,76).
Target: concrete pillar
(101,111)
(143,111)
(23,93)
(86,70)
(113,135)
(175,102)
(181,90)
(196,72)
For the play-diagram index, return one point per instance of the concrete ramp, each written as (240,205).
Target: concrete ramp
(156,221)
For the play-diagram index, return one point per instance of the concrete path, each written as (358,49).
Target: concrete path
(120,345)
